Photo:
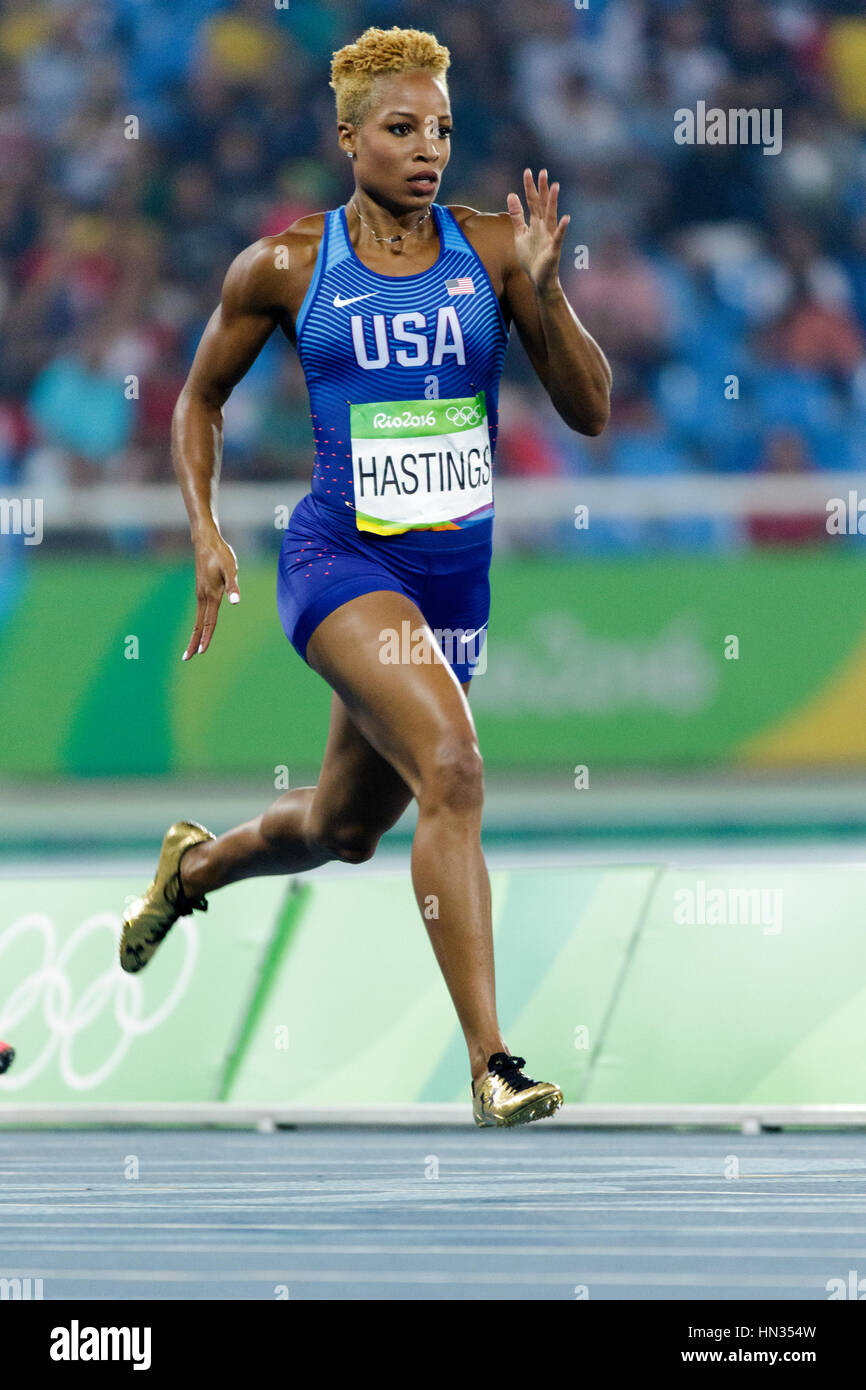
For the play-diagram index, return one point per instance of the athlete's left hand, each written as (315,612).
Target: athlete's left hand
(538,246)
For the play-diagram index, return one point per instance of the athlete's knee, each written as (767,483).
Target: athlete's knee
(351,841)
(452,777)
(285,821)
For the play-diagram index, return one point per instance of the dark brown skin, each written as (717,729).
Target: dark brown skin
(396,731)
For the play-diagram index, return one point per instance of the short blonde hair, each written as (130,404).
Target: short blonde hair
(356,66)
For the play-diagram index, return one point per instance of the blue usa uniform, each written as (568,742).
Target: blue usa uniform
(403,375)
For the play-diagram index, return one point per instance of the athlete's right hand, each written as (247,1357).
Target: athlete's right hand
(216,573)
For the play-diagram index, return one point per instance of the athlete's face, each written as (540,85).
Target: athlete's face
(404,143)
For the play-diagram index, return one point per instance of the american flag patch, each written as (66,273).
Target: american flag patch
(463,285)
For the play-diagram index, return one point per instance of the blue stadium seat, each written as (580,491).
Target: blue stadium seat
(603,536)
(786,396)
(833,448)
(691,399)
(704,534)
(637,454)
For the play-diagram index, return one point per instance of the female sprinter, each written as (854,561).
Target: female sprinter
(399,308)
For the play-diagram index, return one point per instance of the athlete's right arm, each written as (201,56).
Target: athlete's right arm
(250,308)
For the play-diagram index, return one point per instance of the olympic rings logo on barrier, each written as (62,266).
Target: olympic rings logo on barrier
(64,1020)
(463,414)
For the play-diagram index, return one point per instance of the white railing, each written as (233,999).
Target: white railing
(519,502)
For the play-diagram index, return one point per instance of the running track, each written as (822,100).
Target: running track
(351,1213)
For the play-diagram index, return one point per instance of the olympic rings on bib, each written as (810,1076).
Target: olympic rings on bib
(463,414)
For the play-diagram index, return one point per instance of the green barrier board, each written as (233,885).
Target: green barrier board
(357,1010)
(745,985)
(633,984)
(84,1030)
(606,664)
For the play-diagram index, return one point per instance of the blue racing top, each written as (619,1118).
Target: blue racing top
(403,374)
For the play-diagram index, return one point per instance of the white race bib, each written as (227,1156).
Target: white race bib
(420,463)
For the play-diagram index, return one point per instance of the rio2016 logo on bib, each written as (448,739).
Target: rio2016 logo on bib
(421,463)
(383,421)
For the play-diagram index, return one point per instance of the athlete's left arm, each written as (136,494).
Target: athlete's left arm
(567,360)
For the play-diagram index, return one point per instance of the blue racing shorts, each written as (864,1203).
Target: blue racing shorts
(325,561)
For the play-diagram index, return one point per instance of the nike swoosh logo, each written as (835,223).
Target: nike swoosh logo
(467,636)
(340,303)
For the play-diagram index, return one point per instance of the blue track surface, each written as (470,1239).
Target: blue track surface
(351,1214)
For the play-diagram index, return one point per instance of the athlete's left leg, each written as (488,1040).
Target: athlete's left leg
(357,798)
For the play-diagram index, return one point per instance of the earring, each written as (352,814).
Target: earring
(350,154)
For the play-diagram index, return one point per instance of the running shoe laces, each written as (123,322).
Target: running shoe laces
(510,1069)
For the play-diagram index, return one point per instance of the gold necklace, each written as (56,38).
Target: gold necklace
(353,204)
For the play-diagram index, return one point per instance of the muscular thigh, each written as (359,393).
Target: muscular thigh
(405,712)
(356,785)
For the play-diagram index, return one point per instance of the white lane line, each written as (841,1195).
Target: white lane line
(542,1212)
(458,1248)
(417,1227)
(453,1185)
(350,1276)
(530,1161)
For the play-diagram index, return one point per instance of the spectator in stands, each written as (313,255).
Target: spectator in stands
(699,256)
(786,451)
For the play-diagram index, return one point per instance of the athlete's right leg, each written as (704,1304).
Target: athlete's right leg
(414,713)
(357,798)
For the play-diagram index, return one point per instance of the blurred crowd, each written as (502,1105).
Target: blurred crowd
(726,285)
